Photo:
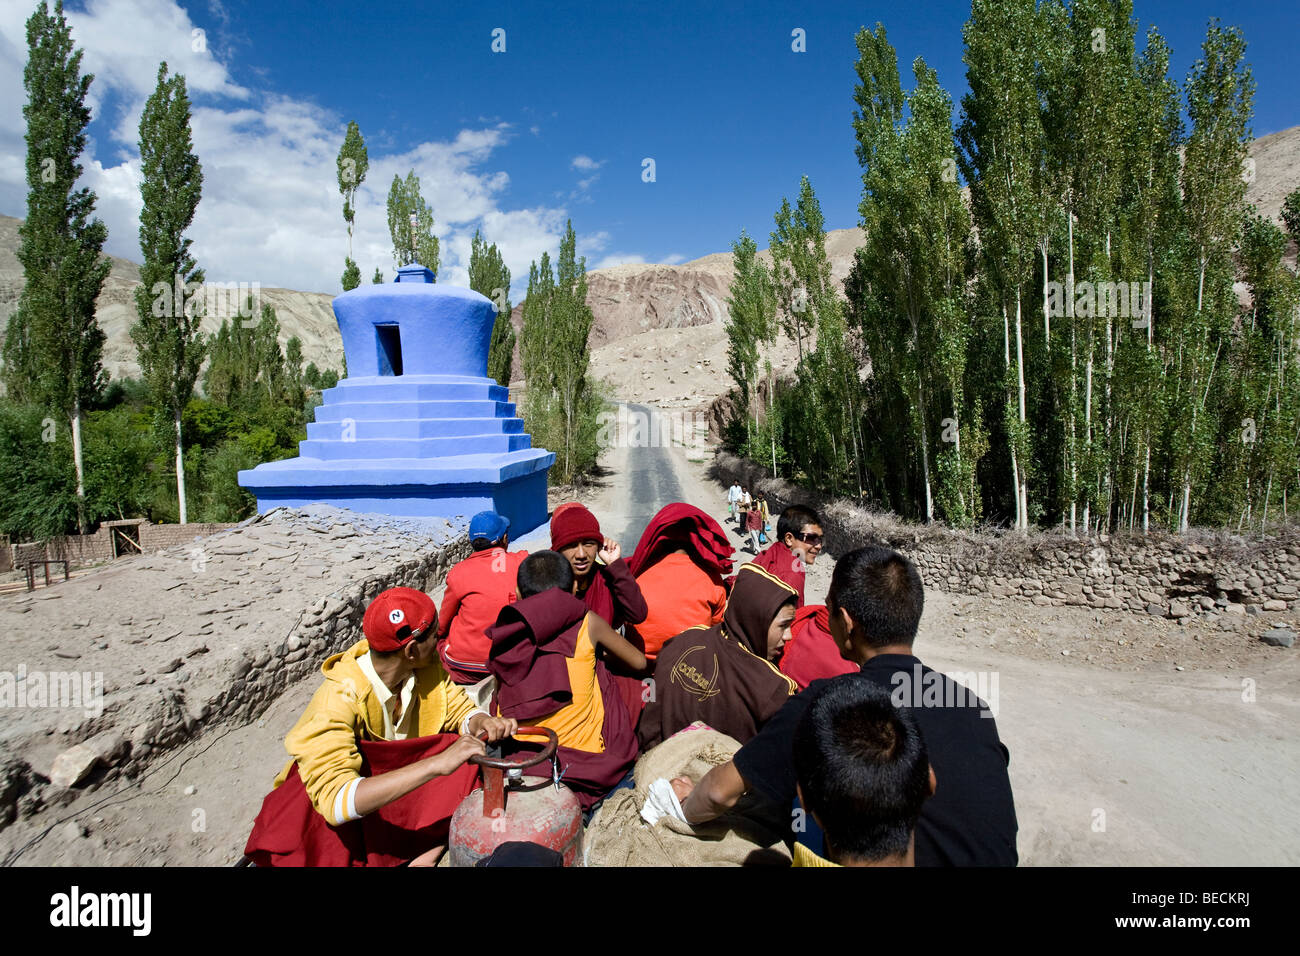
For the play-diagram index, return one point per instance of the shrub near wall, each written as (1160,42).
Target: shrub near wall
(1158,574)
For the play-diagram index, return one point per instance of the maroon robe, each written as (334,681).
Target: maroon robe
(810,654)
(289,832)
(531,642)
(783,563)
(614,595)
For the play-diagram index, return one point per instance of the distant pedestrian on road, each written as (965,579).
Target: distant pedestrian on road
(760,500)
(733,498)
(753,524)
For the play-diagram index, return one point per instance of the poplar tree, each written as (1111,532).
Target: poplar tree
(169,345)
(751,322)
(1220,90)
(410,223)
(489,276)
(53,344)
(353,163)
(910,277)
(561,401)
(1001,140)
(1154,204)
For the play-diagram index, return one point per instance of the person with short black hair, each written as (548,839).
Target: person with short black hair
(863,775)
(544,657)
(798,542)
(542,571)
(875,603)
(809,654)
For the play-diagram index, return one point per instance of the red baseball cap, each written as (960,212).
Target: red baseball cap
(396,617)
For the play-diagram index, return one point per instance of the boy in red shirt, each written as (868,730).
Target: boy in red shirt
(477,589)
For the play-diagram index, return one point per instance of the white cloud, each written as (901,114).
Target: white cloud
(271,211)
(586,163)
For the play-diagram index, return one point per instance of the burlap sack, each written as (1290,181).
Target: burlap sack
(617,836)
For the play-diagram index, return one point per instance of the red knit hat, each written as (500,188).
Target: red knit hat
(571,523)
(396,617)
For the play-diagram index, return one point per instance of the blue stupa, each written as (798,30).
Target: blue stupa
(417,429)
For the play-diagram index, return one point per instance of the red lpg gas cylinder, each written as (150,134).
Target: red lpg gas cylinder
(514,807)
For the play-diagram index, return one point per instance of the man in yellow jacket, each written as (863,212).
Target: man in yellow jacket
(389,686)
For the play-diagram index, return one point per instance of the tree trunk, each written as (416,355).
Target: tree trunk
(1087,427)
(79,464)
(1020,380)
(180,473)
(925,455)
(1047,312)
(1071,442)
(1015,467)
(1146,490)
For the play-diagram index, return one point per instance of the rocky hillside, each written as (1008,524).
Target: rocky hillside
(305,314)
(629,302)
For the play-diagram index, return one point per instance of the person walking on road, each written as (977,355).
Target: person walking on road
(733,498)
(753,524)
(742,509)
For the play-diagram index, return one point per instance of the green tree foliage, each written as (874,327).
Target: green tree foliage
(410,223)
(822,406)
(751,323)
(1062,345)
(908,288)
(378,277)
(489,276)
(353,163)
(351,277)
(168,343)
(248,372)
(53,344)
(562,403)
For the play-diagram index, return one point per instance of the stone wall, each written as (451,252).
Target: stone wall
(1159,574)
(193,637)
(79,550)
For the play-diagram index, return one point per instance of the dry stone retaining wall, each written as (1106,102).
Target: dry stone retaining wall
(1160,574)
(192,637)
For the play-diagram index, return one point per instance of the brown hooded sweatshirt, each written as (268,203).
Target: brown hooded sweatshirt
(721,675)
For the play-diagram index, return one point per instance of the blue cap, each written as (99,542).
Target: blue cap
(489,525)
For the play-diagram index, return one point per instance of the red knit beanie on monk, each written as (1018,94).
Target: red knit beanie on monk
(572,523)
(396,617)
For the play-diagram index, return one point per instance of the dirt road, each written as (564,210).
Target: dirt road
(1153,766)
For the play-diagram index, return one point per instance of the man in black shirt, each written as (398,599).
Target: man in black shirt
(875,603)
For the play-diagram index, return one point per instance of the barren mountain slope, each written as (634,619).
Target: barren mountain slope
(627,300)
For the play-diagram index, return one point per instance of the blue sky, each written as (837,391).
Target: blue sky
(555,127)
